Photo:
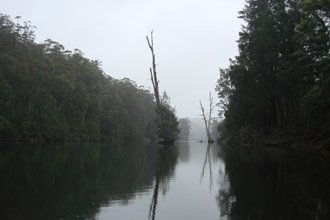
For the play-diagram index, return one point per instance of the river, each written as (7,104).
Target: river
(187,181)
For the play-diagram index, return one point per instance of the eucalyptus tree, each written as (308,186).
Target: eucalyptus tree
(50,93)
(280,77)
(166,120)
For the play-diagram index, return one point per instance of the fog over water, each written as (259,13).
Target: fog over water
(192,39)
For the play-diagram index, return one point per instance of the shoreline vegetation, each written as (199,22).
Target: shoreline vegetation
(48,93)
(284,137)
(276,92)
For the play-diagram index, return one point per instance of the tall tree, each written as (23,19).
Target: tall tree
(207,118)
(280,77)
(153,69)
(167,121)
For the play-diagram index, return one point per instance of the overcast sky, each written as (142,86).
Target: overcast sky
(193,38)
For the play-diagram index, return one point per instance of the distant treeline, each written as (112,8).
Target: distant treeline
(279,84)
(49,93)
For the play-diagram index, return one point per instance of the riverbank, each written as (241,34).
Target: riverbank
(297,136)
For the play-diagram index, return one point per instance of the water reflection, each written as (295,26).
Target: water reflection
(71,181)
(207,159)
(275,184)
(166,162)
(184,151)
(135,181)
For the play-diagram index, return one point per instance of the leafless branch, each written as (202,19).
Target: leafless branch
(208,117)
(153,70)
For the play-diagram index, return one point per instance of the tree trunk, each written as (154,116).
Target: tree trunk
(207,118)
(153,70)
(205,121)
(277,111)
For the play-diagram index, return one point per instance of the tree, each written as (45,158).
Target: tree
(50,93)
(207,118)
(153,71)
(279,79)
(166,120)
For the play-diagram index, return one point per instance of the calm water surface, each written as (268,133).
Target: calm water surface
(188,181)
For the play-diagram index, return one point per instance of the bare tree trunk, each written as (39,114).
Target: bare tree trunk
(153,71)
(207,118)
(205,121)
(210,113)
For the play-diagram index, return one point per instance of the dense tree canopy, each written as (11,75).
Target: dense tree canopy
(280,78)
(49,93)
(166,121)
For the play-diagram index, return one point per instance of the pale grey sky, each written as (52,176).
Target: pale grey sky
(193,38)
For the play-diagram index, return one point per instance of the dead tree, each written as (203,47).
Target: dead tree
(154,201)
(166,119)
(153,71)
(207,158)
(207,117)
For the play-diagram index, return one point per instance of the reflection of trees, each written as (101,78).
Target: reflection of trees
(207,159)
(275,184)
(184,151)
(65,181)
(167,159)
(210,154)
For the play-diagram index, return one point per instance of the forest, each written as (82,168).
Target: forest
(77,143)
(277,90)
(51,94)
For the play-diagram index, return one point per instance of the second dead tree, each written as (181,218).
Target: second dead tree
(207,117)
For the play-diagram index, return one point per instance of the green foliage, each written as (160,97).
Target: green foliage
(167,121)
(47,92)
(5,126)
(282,72)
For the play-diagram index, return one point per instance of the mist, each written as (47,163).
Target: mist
(192,39)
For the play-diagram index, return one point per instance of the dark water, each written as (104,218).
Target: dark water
(190,181)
